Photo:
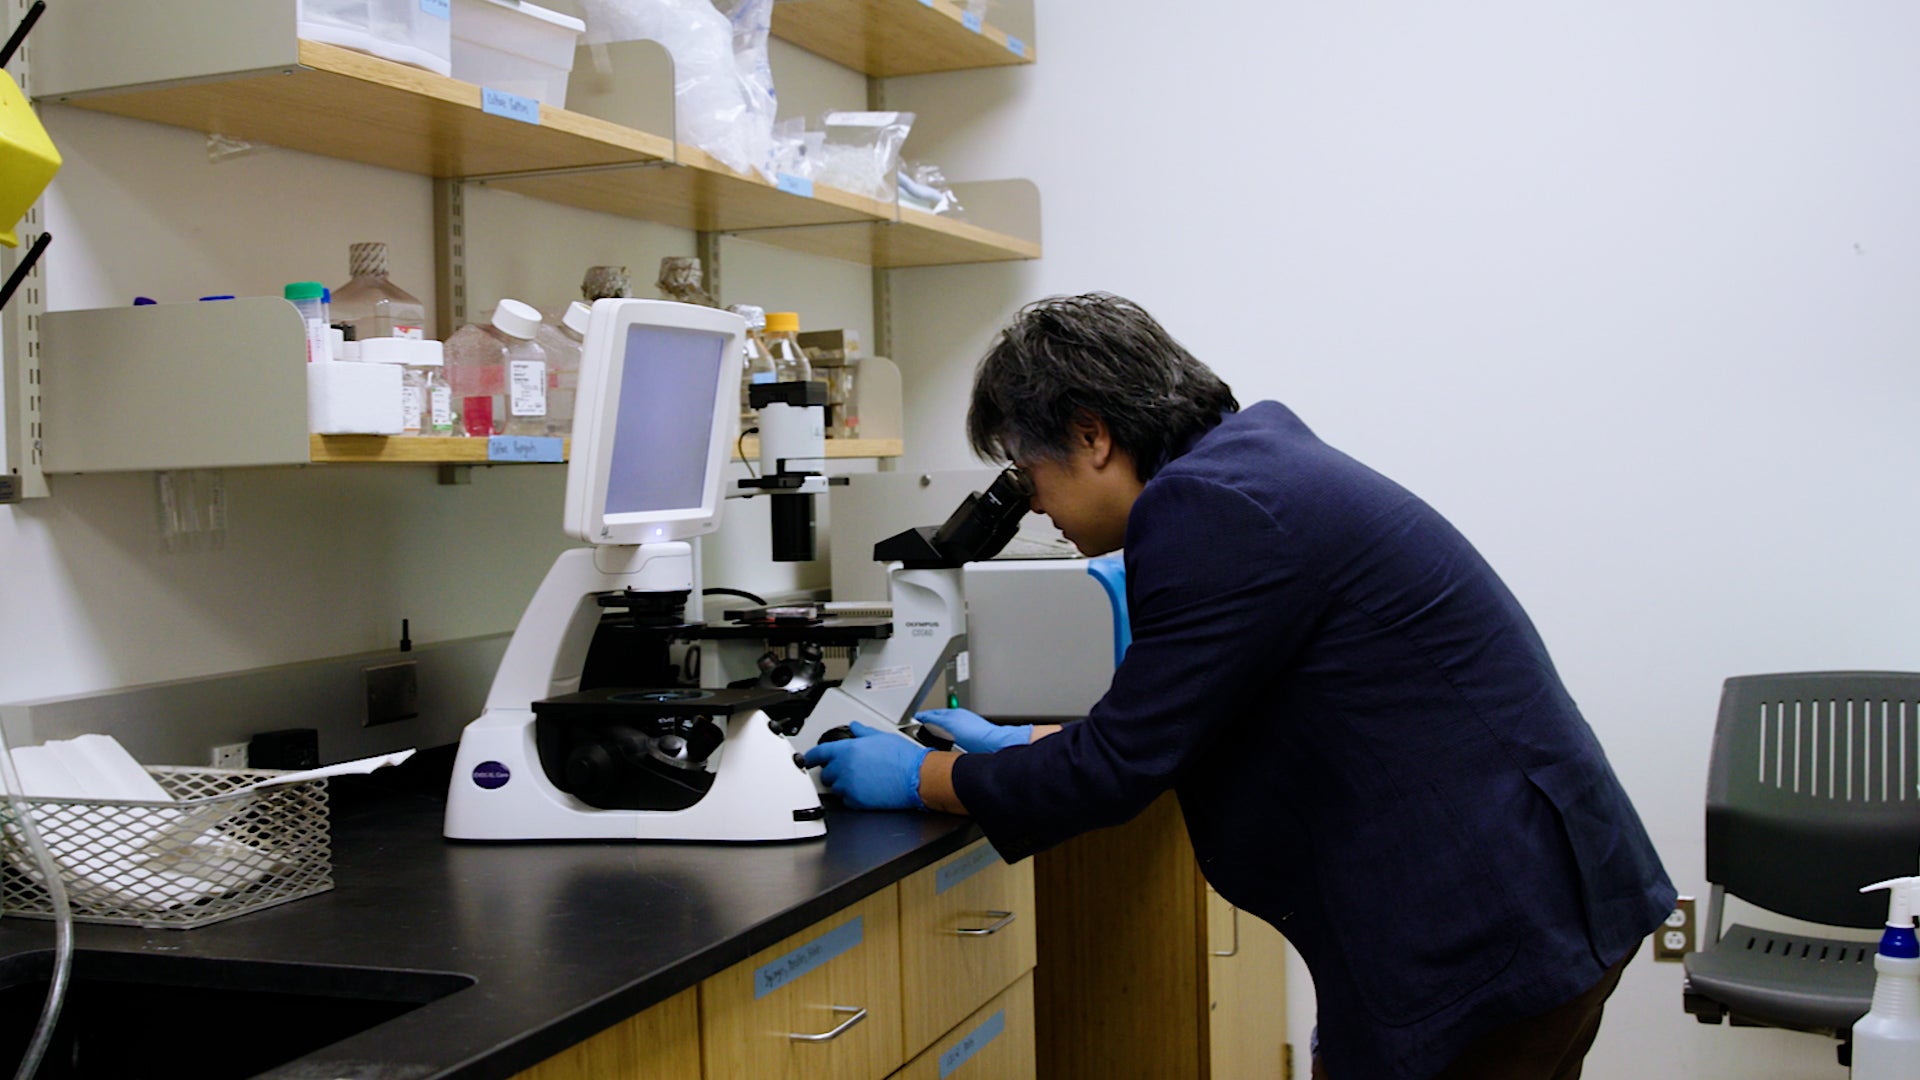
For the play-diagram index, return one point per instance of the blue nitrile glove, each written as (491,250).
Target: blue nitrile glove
(975,733)
(873,770)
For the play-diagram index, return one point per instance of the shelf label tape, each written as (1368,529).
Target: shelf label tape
(773,976)
(975,1041)
(512,106)
(526,448)
(971,20)
(794,185)
(1016,46)
(439,9)
(963,868)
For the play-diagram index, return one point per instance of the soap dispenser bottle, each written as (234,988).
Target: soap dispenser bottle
(1886,1041)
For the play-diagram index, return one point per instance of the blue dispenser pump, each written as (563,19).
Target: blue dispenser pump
(1886,1041)
(1899,939)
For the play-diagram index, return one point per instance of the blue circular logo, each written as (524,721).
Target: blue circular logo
(491,774)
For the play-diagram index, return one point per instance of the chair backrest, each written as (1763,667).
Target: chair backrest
(1814,791)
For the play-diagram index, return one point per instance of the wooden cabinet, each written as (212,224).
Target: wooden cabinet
(1127,983)
(937,969)
(663,1043)
(1246,995)
(823,1004)
(995,1043)
(966,933)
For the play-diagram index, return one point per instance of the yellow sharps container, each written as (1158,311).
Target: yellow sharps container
(27,158)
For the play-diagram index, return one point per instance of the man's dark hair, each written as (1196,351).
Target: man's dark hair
(1097,353)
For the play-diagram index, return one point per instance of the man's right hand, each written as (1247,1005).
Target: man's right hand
(975,733)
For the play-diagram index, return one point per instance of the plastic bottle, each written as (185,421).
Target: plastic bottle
(479,370)
(603,282)
(1886,1041)
(426,404)
(757,365)
(373,305)
(562,337)
(783,343)
(306,296)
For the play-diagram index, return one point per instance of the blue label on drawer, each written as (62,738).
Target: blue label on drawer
(511,106)
(807,957)
(971,20)
(1016,46)
(794,185)
(526,448)
(971,1045)
(963,868)
(439,9)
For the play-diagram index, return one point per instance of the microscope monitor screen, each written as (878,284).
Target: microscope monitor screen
(659,393)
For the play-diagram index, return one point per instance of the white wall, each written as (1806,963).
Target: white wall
(1626,290)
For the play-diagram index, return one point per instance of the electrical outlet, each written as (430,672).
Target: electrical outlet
(393,693)
(230,756)
(1674,940)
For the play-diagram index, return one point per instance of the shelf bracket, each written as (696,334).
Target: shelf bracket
(449,254)
(20,467)
(706,245)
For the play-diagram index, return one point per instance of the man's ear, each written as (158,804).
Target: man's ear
(1091,434)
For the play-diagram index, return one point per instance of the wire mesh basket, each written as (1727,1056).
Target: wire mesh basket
(213,853)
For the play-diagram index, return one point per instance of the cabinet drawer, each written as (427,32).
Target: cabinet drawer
(966,932)
(664,1041)
(995,1043)
(822,1005)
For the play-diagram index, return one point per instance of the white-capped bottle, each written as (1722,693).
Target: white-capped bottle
(1886,1041)
(481,372)
(561,335)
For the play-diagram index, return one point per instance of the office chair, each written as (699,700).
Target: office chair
(1813,791)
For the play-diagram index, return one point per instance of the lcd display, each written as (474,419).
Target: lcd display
(665,422)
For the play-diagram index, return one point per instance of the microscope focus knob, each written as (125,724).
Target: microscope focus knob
(591,771)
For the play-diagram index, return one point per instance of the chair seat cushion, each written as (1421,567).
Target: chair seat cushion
(1785,980)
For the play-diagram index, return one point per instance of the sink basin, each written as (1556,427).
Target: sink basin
(130,1016)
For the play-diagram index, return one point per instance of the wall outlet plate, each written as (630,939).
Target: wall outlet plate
(229,756)
(1675,938)
(393,693)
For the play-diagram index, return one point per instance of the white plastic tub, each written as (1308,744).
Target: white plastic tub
(405,31)
(519,48)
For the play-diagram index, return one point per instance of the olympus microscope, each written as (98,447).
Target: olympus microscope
(546,760)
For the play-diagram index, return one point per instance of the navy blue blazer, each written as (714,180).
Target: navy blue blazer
(1371,747)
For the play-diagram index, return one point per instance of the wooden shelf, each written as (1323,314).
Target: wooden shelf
(342,104)
(883,38)
(437,450)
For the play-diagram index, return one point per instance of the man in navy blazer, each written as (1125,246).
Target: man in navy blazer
(1371,747)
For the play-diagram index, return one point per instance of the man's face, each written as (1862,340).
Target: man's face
(1085,502)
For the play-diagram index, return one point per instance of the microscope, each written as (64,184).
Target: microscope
(548,759)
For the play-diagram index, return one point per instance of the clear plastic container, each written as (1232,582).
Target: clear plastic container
(416,32)
(307,298)
(561,335)
(488,367)
(425,401)
(373,305)
(783,344)
(757,365)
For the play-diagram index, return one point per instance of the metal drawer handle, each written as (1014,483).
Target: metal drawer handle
(859,1014)
(1000,921)
(1236,935)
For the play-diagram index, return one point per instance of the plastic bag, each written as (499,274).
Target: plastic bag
(924,187)
(861,152)
(723,87)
